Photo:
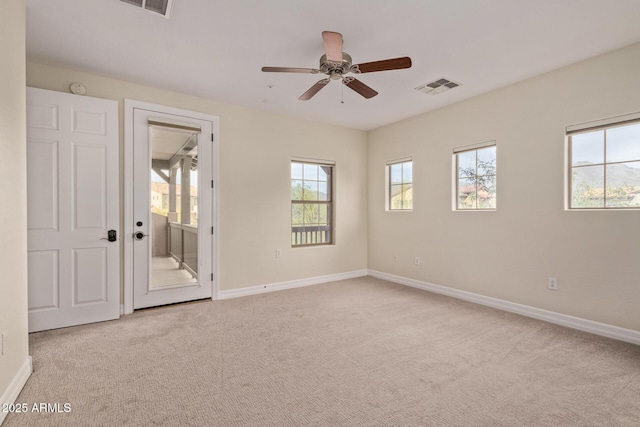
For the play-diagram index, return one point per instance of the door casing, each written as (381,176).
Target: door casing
(128,227)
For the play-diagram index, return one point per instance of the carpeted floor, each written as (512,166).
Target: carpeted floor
(360,352)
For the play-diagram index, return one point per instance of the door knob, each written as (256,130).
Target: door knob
(112,236)
(139,235)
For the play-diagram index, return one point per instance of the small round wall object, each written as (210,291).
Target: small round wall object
(77,88)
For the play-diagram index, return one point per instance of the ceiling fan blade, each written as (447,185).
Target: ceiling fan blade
(359,87)
(384,65)
(332,46)
(289,70)
(313,90)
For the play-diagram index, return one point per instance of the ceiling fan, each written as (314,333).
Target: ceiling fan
(336,64)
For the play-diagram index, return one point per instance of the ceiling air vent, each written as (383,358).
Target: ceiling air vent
(438,86)
(162,7)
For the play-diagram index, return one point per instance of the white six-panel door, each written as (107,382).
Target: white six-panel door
(73,202)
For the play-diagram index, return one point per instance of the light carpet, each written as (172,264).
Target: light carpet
(359,352)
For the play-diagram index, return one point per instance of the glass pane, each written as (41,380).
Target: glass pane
(173,231)
(329,189)
(467,193)
(178,205)
(311,214)
(467,164)
(316,228)
(324,214)
(296,170)
(310,190)
(587,148)
(407,172)
(310,172)
(323,191)
(623,144)
(587,187)
(396,173)
(623,185)
(296,190)
(323,173)
(486,192)
(407,196)
(296,214)
(487,161)
(395,199)
(193,200)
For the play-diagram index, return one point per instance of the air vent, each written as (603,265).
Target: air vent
(161,7)
(438,86)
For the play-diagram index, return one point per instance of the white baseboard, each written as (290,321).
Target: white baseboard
(260,289)
(15,387)
(581,324)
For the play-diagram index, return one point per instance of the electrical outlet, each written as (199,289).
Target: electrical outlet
(552,283)
(417,261)
(278,253)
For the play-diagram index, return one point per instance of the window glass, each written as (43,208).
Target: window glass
(605,168)
(623,144)
(400,186)
(311,204)
(476,179)
(588,148)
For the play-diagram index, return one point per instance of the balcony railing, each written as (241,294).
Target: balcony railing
(183,246)
(311,235)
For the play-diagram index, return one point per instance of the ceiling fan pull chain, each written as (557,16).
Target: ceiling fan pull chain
(342,94)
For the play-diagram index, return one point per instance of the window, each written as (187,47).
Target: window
(400,185)
(311,203)
(604,166)
(475,180)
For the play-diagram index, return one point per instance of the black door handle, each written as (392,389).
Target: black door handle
(139,235)
(112,236)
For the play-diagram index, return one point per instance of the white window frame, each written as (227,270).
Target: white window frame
(602,124)
(330,202)
(387,194)
(455,178)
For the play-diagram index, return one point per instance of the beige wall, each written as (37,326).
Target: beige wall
(13,209)
(509,253)
(255,151)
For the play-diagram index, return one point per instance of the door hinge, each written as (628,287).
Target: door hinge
(212,277)
(211,137)
(211,230)
(211,183)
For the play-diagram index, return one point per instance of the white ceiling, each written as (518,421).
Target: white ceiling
(215,49)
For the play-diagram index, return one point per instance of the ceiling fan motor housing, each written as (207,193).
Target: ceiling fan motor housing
(333,69)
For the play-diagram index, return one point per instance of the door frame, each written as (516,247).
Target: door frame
(129,106)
